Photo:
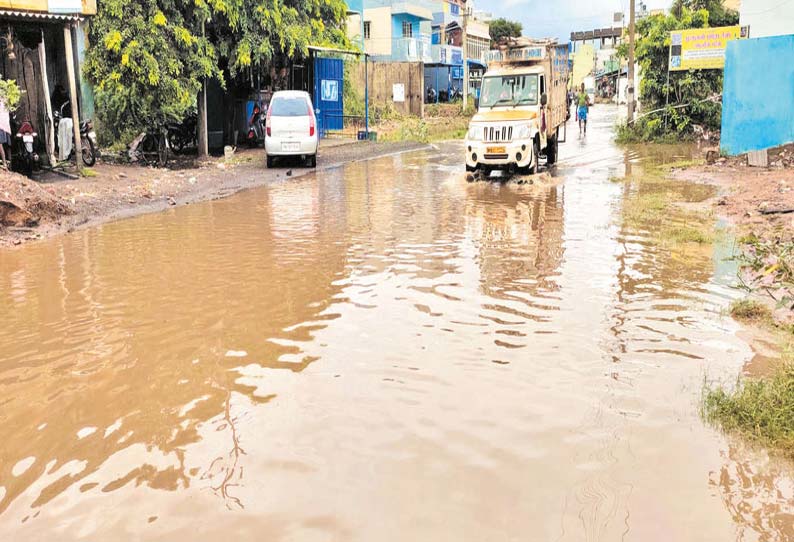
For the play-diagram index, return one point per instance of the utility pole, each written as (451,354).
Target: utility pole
(630,83)
(465,58)
(203,146)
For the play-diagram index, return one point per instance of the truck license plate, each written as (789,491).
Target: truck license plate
(290,146)
(495,150)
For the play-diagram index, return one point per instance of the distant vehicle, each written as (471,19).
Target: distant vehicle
(523,103)
(291,128)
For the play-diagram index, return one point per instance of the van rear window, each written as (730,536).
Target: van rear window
(289,107)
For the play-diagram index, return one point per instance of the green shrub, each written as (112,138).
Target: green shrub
(760,410)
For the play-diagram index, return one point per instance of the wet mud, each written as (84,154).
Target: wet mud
(381,351)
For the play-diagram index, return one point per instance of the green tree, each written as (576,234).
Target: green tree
(254,32)
(503,28)
(10,94)
(147,60)
(719,15)
(697,90)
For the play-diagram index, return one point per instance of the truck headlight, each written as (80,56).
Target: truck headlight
(474,134)
(524,132)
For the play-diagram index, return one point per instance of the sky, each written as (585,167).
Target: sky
(558,18)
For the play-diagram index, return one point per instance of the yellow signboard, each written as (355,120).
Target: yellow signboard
(82,7)
(701,48)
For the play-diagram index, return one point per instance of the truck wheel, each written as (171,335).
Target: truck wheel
(552,150)
(270,161)
(535,157)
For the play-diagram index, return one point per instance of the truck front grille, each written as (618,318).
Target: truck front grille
(498,134)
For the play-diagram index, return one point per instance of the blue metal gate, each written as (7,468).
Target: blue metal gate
(328,91)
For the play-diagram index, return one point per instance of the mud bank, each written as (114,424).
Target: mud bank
(758,200)
(53,205)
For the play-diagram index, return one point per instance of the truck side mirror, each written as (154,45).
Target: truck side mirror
(544,99)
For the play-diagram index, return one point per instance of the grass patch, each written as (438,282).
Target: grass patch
(423,130)
(688,234)
(759,410)
(87,172)
(651,204)
(680,164)
(750,310)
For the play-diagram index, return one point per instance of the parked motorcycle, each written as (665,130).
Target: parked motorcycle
(24,158)
(183,135)
(256,127)
(88,139)
(456,94)
(431,95)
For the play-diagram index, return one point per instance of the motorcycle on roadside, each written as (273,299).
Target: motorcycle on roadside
(256,126)
(24,158)
(88,140)
(183,135)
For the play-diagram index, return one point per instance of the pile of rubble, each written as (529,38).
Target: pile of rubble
(25,203)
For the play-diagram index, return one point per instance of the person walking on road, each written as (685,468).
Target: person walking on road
(583,106)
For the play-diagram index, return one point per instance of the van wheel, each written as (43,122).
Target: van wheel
(552,150)
(311,161)
(471,168)
(270,161)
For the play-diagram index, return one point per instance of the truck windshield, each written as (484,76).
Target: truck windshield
(509,90)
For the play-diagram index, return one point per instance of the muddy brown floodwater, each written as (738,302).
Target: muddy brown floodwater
(379,353)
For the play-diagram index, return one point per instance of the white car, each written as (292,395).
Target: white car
(291,127)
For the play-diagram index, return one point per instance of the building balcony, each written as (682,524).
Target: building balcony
(411,50)
(447,54)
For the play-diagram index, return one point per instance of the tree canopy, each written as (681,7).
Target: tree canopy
(691,88)
(503,28)
(148,58)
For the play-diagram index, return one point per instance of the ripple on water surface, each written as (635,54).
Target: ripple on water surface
(380,352)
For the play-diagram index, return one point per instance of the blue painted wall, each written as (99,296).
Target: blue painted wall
(397,25)
(758,94)
(356,6)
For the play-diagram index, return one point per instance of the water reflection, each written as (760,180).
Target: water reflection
(758,492)
(378,353)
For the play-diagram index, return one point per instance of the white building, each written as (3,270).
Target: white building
(767,17)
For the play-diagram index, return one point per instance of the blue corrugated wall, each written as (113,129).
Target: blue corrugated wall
(758,94)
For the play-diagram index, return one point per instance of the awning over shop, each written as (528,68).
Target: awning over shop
(38,16)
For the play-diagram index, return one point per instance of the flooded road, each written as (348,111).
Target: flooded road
(382,352)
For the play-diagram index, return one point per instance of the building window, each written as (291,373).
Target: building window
(408,30)
(367,31)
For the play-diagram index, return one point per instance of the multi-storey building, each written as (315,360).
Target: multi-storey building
(392,30)
(428,31)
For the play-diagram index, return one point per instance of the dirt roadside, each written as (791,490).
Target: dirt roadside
(31,210)
(760,203)
(758,200)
